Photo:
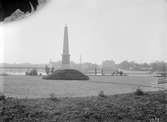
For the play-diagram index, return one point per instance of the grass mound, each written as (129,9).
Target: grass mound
(66,74)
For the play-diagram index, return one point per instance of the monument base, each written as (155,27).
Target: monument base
(65,66)
(66,74)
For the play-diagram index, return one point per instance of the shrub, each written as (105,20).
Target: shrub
(139,92)
(32,72)
(53,97)
(2,97)
(4,74)
(101,94)
(47,69)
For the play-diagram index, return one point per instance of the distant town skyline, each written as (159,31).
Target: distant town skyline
(133,30)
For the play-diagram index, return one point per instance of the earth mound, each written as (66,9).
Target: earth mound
(66,74)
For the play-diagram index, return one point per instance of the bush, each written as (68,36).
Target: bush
(101,94)
(2,97)
(32,72)
(53,97)
(4,74)
(139,92)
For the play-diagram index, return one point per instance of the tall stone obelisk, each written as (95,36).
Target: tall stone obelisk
(65,55)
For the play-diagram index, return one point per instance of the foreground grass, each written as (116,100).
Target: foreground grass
(116,108)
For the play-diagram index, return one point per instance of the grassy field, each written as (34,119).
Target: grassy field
(132,107)
(35,87)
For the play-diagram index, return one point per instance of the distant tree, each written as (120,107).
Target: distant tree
(108,63)
(109,66)
(52,69)
(102,72)
(95,70)
(32,72)
(121,73)
(159,66)
(47,69)
(134,66)
(125,65)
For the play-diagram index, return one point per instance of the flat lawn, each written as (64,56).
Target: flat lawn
(36,87)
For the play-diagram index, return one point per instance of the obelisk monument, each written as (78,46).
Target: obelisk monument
(66,72)
(65,55)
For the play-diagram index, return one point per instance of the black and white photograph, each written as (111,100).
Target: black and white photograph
(83,60)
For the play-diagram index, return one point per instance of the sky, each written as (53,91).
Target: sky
(134,30)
